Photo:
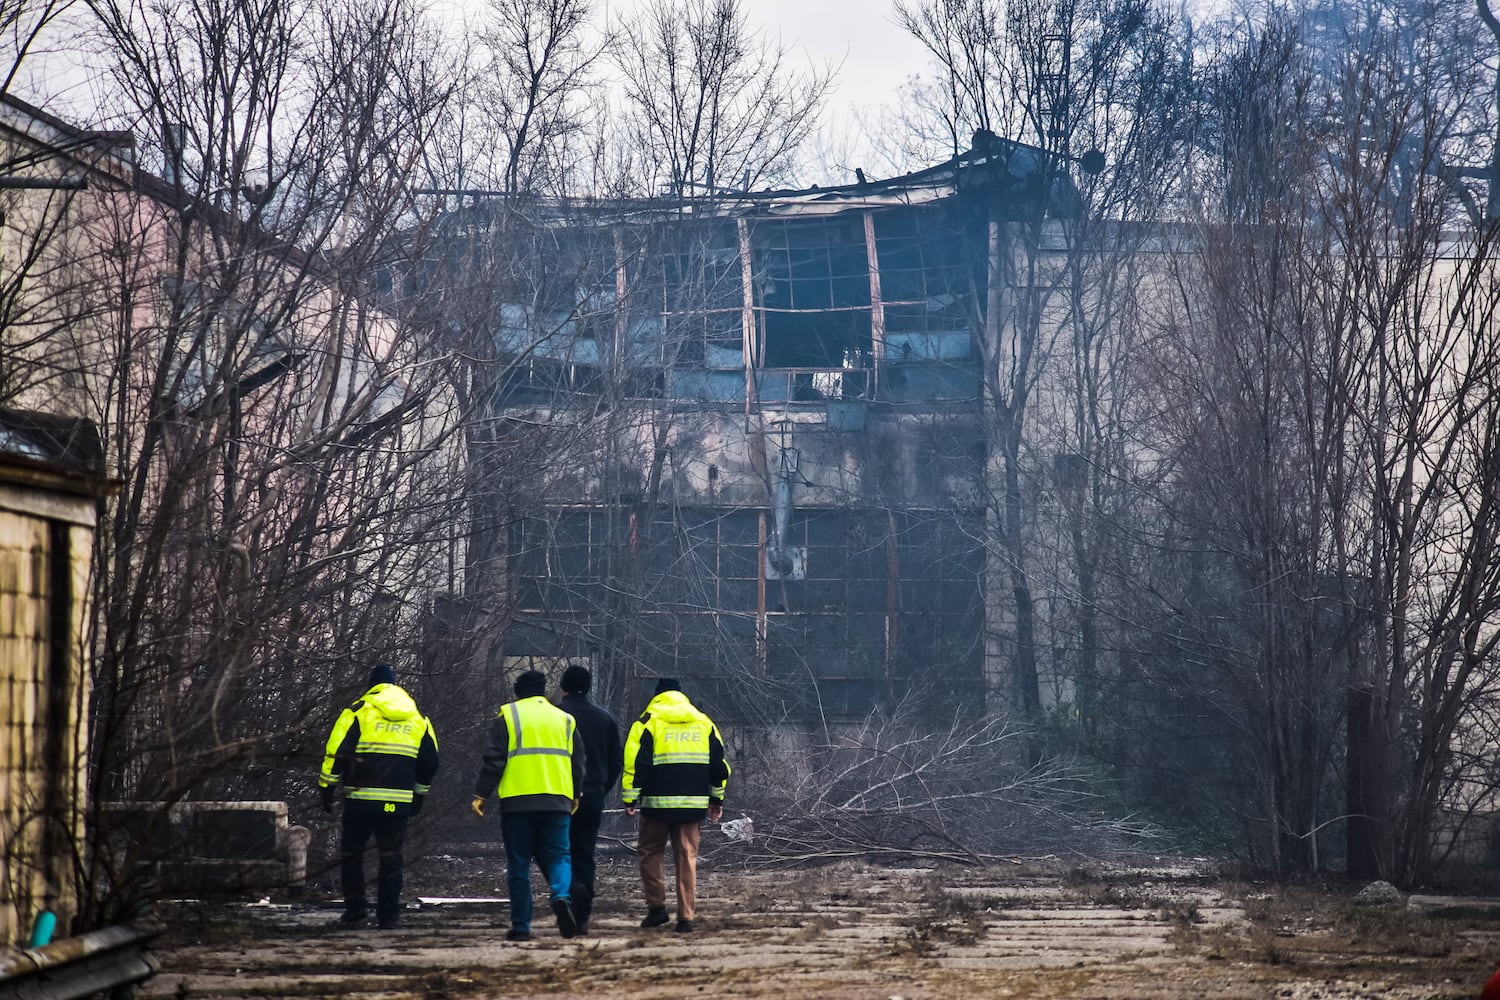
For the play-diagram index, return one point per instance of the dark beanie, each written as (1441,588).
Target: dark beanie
(577,680)
(383,673)
(530,684)
(668,684)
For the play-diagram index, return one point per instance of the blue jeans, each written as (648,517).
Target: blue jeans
(539,835)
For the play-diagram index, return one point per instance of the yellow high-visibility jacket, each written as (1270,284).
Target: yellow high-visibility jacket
(674,761)
(382,750)
(533,758)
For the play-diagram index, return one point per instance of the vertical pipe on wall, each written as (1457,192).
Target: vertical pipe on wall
(877,308)
(748,345)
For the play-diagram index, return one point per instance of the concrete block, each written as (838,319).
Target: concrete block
(248,831)
(208,877)
(207,847)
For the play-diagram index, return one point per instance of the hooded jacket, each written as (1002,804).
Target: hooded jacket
(674,761)
(382,750)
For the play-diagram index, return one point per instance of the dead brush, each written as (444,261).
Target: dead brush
(811,930)
(759,902)
(948,918)
(1268,946)
(897,788)
(1398,931)
(1258,908)
(917,942)
(1106,894)
(1179,913)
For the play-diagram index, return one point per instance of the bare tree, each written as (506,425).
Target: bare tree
(1131,98)
(23,23)
(1010,69)
(968,40)
(281,445)
(1323,408)
(535,64)
(1492,201)
(1418,269)
(710,104)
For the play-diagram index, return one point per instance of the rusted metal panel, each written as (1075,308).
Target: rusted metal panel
(43,585)
(23,550)
(80,966)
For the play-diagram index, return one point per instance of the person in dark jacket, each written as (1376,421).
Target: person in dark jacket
(534,761)
(675,774)
(384,752)
(600,733)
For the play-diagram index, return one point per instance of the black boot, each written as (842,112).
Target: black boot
(567,924)
(656,916)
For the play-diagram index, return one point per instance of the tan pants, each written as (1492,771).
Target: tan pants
(652,847)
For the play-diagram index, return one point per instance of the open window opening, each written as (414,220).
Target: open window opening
(699,274)
(814,294)
(928,280)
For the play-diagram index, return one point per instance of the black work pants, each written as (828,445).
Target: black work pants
(361,822)
(583,837)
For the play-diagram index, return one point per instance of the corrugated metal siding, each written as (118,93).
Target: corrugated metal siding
(43,581)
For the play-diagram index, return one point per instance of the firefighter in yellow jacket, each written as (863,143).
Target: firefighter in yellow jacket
(383,751)
(534,760)
(675,774)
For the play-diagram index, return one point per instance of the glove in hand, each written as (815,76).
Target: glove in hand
(325,795)
(416,803)
(477,807)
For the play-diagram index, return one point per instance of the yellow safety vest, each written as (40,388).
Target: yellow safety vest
(538,749)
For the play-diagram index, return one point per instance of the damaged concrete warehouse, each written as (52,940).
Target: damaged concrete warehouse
(764,417)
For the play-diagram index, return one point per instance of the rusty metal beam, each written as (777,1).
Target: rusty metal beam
(81,966)
(43,183)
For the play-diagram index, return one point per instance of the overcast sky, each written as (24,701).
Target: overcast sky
(859,36)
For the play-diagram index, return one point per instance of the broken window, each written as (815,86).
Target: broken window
(928,281)
(890,601)
(559,323)
(220,344)
(814,293)
(924,269)
(699,271)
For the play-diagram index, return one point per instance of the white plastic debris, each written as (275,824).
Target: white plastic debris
(739,829)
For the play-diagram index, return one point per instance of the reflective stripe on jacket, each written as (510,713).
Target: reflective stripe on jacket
(533,758)
(674,761)
(381,749)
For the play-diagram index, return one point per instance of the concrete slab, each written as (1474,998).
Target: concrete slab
(1456,906)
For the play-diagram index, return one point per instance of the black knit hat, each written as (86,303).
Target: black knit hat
(667,684)
(577,680)
(383,673)
(530,684)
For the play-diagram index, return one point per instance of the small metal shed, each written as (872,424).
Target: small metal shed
(51,481)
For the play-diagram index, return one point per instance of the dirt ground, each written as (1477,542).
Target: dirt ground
(1047,928)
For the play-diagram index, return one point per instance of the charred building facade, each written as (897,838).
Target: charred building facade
(747,440)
